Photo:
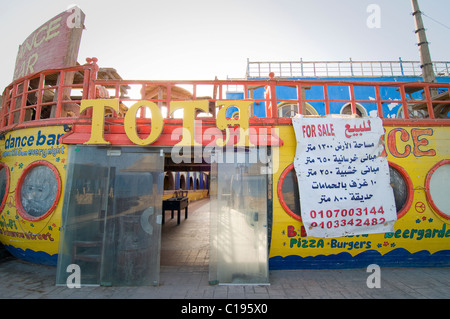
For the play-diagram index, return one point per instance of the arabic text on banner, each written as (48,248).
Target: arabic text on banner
(344,184)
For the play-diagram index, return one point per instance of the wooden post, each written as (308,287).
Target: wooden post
(425,56)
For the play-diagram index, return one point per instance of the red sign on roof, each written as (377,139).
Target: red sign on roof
(53,45)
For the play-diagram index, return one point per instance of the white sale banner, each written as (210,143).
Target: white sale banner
(344,183)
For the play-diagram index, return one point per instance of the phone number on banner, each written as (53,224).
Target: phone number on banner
(347,214)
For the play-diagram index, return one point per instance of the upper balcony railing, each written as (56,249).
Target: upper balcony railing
(47,95)
(327,69)
(53,97)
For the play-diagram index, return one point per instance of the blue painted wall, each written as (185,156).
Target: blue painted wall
(390,110)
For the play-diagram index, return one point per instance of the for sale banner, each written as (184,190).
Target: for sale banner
(344,183)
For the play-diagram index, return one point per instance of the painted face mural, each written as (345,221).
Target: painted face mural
(38,191)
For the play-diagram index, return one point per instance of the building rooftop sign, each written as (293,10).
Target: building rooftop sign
(53,45)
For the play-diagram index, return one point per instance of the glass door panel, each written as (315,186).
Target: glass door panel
(239,233)
(133,227)
(112,216)
(83,216)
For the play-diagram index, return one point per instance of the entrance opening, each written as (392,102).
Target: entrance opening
(185,241)
(228,236)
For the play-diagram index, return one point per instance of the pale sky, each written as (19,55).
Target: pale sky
(201,39)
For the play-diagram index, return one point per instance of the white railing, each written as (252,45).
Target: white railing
(306,69)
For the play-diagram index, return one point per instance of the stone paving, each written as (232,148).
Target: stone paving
(184,276)
(20,280)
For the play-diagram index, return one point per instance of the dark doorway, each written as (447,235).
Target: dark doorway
(187,244)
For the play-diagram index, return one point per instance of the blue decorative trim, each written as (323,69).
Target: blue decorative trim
(35,257)
(399,257)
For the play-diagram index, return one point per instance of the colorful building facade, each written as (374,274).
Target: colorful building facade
(86,166)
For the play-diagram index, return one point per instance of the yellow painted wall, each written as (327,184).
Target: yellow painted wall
(30,145)
(421,148)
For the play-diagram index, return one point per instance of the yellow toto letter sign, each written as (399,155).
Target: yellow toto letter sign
(189,108)
(98,117)
(130,123)
(222,122)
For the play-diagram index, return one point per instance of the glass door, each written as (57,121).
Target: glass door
(239,232)
(112,216)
